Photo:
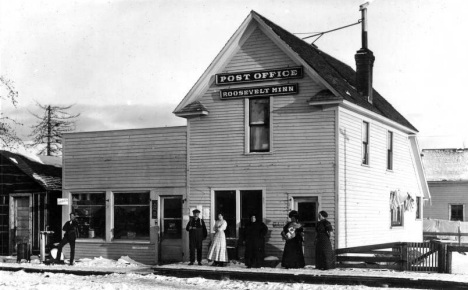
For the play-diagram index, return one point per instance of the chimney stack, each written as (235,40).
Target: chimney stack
(364,61)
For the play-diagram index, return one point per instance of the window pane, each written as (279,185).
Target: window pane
(456,212)
(172,207)
(259,111)
(225,202)
(307,213)
(127,198)
(131,215)
(90,212)
(173,229)
(251,203)
(259,138)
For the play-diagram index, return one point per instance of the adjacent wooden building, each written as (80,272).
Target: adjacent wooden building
(274,124)
(29,188)
(447,176)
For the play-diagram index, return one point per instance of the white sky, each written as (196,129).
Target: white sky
(128,63)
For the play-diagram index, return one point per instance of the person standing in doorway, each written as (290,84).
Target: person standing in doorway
(323,249)
(197,233)
(71,233)
(293,234)
(255,232)
(218,250)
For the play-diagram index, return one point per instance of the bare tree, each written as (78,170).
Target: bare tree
(52,124)
(8,137)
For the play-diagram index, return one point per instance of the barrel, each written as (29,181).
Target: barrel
(22,252)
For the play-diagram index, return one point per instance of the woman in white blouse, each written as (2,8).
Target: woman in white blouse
(218,252)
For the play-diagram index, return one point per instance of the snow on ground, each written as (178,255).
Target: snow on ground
(131,275)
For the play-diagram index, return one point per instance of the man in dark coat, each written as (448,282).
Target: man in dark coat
(197,233)
(71,232)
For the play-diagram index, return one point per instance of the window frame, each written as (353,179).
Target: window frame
(238,206)
(390,143)
(399,213)
(113,205)
(462,209)
(365,147)
(247,126)
(72,210)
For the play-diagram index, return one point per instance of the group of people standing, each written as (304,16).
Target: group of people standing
(254,237)
(293,234)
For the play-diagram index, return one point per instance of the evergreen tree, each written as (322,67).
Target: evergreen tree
(49,130)
(8,137)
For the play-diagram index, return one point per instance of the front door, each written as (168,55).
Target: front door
(307,209)
(22,219)
(171,229)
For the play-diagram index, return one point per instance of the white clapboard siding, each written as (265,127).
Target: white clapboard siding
(443,194)
(303,155)
(364,191)
(146,158)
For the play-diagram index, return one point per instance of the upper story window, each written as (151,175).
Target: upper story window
(418,208)
(397,216)
(259,124)
(456,212)
(390,150)
(365,143)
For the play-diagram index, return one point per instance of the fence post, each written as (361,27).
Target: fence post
(404,256)
(442,258)
(449,261)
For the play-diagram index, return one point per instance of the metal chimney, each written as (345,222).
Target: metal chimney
(364,61)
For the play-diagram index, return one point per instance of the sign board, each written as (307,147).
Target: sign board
(259,76)
(288,89)
(154,209)
(62,201)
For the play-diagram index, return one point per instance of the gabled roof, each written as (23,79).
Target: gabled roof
(445,164)
(337,75)
(47,176)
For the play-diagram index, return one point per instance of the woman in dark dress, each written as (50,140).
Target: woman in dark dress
(293,256)
(255,232)
(324,257)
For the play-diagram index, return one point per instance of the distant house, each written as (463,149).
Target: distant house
(447,176)
(29,188)
(273,125)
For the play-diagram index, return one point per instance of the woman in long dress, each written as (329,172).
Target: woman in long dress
(255,232)
(218,251)
(324,257)
(293,255)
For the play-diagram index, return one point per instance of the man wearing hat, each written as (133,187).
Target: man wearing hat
(197,233)
(71,232)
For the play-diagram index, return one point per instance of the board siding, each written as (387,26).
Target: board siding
(302,159)
(443,194)
(143,253)
(146,158)
(364,191)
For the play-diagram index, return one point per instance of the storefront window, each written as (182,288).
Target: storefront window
(90,212)
(131,215)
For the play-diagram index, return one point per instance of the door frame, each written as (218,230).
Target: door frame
(13,197)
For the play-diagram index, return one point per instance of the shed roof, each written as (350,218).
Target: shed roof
(47,176)
(445,164)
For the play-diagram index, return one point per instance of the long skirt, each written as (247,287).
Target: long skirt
(324,257)
(218,250)
(293,256)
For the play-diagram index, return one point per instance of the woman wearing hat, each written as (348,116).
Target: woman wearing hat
(293,256)
(197,233)
(255,232)
(324,258)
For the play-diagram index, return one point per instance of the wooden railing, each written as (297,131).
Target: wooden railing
(427,256)
(458,234)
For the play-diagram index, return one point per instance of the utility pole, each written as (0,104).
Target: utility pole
(49,129)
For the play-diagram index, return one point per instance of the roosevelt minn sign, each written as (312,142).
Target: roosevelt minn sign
(287,89)
(258,76)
